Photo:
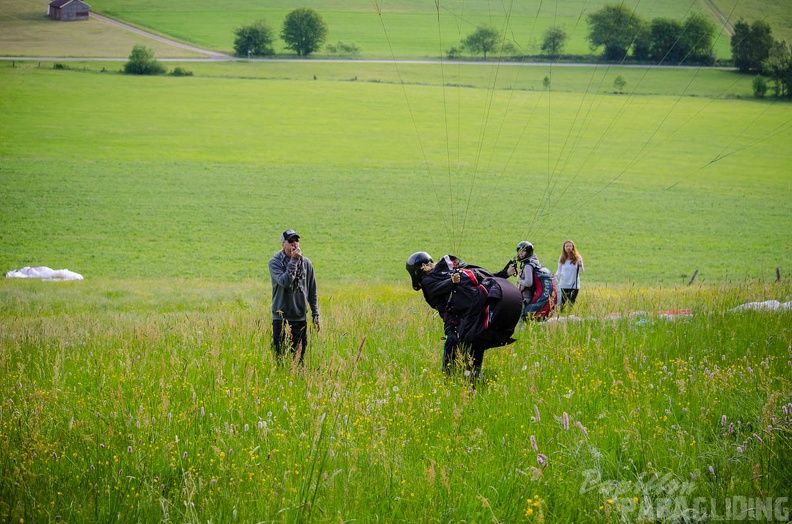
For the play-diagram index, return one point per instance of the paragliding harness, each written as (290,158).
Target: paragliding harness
(494,302)
(539,300)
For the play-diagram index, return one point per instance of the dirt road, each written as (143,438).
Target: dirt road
(211,54)
(723,20)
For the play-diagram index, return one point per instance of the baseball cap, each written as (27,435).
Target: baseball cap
(288,235)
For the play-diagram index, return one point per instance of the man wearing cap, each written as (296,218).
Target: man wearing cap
(293,291)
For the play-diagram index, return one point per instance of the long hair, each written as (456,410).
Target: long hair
(575,257)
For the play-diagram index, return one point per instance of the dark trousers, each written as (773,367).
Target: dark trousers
(568,297)
(296,331)
(470,356)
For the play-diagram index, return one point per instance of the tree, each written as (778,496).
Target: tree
(554,40)
(666,45)
(254,40)
(751,44)
(483,40)
(142,62)
(699,37)
(304,31)
(619,83)
(642,43)
(616,27)
(778,66)
(759,86)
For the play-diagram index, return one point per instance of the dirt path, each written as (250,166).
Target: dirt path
(211,54)
(723,20)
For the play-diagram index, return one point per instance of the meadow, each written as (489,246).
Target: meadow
(406,29)
(196,177)
(150,401)
(148,391)
(420,28)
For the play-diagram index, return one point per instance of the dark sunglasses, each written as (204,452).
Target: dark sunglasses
(293,240)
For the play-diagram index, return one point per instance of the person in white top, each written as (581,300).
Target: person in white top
(570,264)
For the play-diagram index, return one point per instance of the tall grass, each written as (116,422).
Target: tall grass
(127,402)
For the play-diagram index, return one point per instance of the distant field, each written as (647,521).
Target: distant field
(383,29)
(25,30)
(413,29)
(167,177)
(776,12)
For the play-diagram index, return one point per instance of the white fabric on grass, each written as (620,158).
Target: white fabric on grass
(44,273)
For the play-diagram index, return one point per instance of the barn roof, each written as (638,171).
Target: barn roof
(63,3)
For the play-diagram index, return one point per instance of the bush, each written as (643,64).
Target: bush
(343,49)
(142,62)
(759,86)
(254,40)
(180,71)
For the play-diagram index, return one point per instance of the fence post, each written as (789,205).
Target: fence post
(693,277)
(778,274)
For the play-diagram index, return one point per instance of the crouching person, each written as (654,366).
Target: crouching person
(479,310)
(537,284)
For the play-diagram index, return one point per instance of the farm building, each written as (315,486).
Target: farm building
(68,10)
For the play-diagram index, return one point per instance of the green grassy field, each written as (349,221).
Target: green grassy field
(169,177)
(385,29)
(159,401)
(380,29)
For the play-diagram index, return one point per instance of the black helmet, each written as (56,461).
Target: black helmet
(527,246)
(414,265)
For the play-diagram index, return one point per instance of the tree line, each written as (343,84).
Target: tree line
(621,33)
(303,31)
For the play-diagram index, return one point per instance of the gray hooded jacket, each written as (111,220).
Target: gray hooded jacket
(293,287)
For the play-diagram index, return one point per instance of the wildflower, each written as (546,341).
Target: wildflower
(723,420)
(184,456)
(533,443)
(711,470)
(757,437)
(542,459)
(582,428)
(565,418)
(129,449)
(536,413)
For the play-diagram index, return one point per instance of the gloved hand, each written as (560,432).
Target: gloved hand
(455,277)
